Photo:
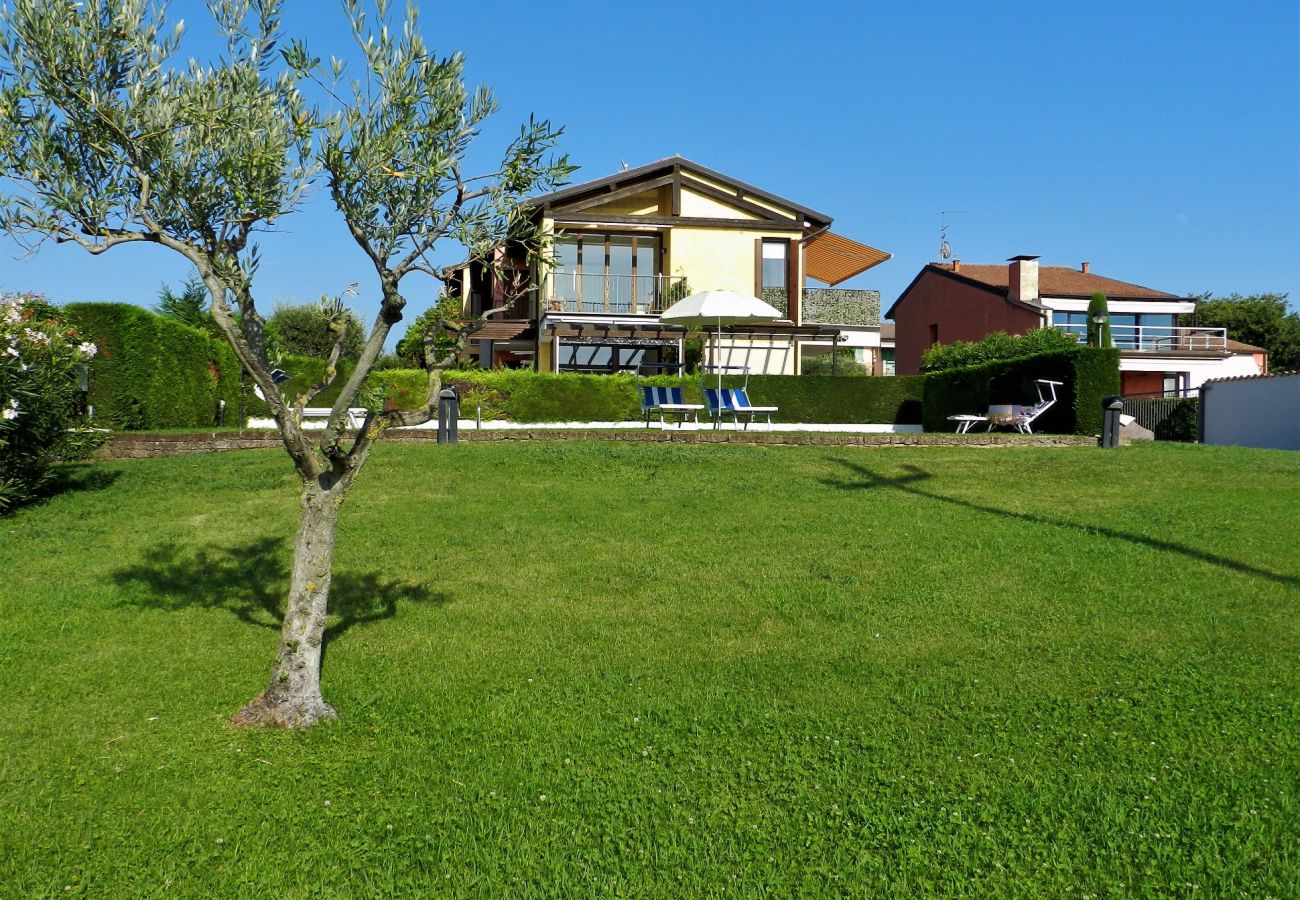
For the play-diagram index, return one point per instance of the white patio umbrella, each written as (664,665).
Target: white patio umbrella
(718,308)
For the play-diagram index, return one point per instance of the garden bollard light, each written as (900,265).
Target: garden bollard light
(1111,408)
(448,415)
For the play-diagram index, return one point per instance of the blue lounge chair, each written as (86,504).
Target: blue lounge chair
(667,400)
(734,402)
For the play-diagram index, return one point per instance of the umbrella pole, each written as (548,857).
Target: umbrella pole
(717,363)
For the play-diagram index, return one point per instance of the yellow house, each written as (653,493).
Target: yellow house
(625,248)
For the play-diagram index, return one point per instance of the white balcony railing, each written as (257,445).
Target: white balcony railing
(1158,338)
(613,294)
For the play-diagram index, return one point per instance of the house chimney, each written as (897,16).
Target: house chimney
(1022,280)
(956,265)
(1083,267)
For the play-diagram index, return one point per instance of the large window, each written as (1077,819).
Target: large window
(601,272)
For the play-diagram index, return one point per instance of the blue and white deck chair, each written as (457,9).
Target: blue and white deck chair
(734,402)
(667,400)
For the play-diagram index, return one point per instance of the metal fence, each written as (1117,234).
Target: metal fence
(1169,418)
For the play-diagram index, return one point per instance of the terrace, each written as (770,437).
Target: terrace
(613,293)
(1158,338)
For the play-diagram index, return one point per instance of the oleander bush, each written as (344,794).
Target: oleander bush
(41,422)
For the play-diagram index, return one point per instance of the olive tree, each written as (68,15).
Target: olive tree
(107,139)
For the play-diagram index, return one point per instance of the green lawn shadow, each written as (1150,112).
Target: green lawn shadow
(251,581)
(912,475)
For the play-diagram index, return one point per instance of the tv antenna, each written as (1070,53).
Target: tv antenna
(945,248)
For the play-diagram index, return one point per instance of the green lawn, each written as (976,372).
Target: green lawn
(662,670)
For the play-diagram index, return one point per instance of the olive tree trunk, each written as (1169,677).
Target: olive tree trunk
(293,698)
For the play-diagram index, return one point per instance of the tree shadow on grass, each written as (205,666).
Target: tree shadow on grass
(251,581)
(69,478)
(869,480)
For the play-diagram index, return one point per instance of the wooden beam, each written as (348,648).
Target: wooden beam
(684,221)
(793,279)
(610,196)
(735,199)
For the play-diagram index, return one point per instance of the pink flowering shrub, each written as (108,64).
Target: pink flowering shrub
(40,397)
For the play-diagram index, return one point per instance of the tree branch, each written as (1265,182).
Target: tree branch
(331,366)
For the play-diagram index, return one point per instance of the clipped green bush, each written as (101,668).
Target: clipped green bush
(996,346)
(304,372)
(1087,375)
(153,371)
(1098,308)
(840,362)
(305,330)
(526,396)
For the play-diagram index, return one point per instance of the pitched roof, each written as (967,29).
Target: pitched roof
(1058,281)
(1243,347)
(665,166)
(1053,281)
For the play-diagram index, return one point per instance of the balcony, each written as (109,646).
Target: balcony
(1158,338)
(636,295)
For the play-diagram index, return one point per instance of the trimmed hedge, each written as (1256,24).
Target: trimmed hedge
(303,372)
(153,372)
(526,396)
(1087,374)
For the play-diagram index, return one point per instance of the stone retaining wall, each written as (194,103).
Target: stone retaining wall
(133,445)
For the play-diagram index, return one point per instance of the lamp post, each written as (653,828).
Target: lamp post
(83,383)
(1099,320)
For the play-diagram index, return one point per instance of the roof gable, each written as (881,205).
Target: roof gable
(683,188)
(1053,281)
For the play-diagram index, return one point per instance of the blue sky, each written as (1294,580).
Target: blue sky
(1158,140)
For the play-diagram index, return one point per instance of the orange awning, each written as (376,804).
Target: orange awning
(832,258)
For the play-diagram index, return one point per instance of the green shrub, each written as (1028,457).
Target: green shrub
(304,372)
(1098,307)
(1183,423)
(526,396)
(410,349)
(836,399)
(40,397)
(1096,377)
(839,362)
(306,331)
(153,371)
(1087,374)
(997,346)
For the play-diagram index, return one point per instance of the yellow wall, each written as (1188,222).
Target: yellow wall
(780,211)
(716,259)
(654,202)
(698,205)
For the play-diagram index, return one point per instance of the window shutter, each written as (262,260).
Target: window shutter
(792,279)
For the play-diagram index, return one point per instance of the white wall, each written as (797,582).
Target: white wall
(1256,412)
(1197,371)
